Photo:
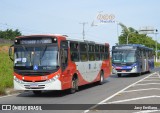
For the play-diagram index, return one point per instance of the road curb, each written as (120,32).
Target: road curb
(10,91)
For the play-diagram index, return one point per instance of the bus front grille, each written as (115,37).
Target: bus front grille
(38,87)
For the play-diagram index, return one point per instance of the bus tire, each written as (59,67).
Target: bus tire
(149,70)
(101,81)
(74,85)
(37,92)
(119,75)
(139,74)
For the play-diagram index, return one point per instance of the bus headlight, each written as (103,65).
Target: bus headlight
(54,78)
(134,67)
(17,80)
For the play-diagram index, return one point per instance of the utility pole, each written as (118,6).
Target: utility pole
(83,32)
(156,32)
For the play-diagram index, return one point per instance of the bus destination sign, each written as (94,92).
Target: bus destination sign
(34,41)
(124,47)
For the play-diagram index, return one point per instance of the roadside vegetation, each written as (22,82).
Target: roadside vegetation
(6,65)
(157,64)
(134,37)
(6,70)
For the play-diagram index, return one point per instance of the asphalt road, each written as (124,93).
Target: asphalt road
(114,91)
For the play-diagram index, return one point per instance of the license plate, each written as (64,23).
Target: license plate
(34,85)
(123,70)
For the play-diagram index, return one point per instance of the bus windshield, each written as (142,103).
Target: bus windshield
(123,57)
(36,58)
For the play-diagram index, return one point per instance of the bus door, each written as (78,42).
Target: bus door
(64,61)
(147,62)
(142,66)
(143,61)
(92,64)
(140,59)
(83,65)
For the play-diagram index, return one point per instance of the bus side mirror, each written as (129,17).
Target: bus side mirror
(10,52)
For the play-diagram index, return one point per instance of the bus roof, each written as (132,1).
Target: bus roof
(64,36)
(38,35)
(133,45)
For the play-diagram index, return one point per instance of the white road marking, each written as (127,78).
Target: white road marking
(146,84)
(128,91)
(103,101)
(152,80)
(147,111)
(127,100)
(154,77)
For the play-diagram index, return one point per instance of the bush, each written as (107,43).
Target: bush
(6,72)
(157,64)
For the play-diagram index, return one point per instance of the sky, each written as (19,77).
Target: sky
(64,17)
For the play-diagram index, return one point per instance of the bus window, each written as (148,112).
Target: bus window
(144,53)
(83,47)
(97,48)
(74,46)
(97,52)
(64,54)
(102,56)
(91,53)
(106,52)
(83,57)
(83,52)
(140,53)
(91,56)
(75,56)
(102,52)
(74,50)
(97,56)
(102,48)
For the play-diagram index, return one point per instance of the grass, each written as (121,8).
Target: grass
(157,64)
(5,45)
(6,72)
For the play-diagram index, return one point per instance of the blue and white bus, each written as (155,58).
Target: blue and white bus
(132,58)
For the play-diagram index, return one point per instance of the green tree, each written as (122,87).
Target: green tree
(135,38)
(10,34)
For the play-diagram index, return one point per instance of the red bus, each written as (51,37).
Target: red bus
(55,62)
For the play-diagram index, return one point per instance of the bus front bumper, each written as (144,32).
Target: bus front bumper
(133,70)
(46,85)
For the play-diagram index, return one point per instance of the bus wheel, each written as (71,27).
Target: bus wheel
(149,71)
(37,92)
(139,74)
(74,86)
(119,75)
(77,84)
(101,78)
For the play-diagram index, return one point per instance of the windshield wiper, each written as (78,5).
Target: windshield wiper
(44,50)
(24,48)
